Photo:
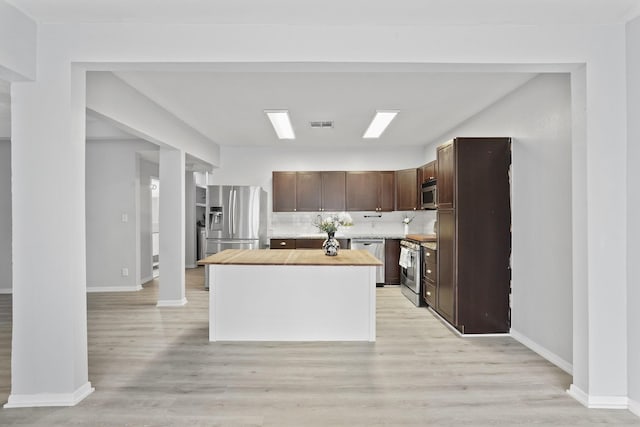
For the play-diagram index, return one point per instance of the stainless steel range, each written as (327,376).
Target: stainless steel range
(410,271)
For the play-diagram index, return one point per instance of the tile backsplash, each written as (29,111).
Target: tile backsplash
(364,223)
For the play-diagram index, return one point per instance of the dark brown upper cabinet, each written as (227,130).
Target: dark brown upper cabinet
(334,191)
(320,191)
(428,172)
(407,190)
(284,191)
(370,191)
(308,191)
(446,177)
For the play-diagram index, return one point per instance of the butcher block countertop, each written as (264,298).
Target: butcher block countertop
(421,237)
(346,257)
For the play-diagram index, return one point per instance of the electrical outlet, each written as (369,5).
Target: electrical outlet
(125,271)
(124,217)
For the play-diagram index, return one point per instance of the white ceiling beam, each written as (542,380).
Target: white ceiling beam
(18,41)
(113,100)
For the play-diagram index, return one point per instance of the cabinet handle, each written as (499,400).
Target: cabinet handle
(283,243)
(428,293)
(428,271)
(428,254)
(294,209)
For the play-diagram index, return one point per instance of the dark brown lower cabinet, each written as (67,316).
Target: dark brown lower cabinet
(317,243)
(445,304)
(429,276)
(305,243)
(391,259)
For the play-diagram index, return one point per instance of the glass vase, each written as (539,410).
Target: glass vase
(331,245)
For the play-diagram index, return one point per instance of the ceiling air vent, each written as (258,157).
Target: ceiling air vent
(322,124)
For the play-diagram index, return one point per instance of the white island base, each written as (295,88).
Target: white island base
(292,302)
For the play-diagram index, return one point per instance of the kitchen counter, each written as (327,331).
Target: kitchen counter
(430,245)
(291,295)
(345,257)
(339,235)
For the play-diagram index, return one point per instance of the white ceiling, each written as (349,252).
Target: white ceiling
(333,12)
(228,107)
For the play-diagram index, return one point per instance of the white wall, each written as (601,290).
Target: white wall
(538,118)
(111,178)
(633,200)
(5,216)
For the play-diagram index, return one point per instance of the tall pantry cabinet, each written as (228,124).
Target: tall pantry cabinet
(474,234)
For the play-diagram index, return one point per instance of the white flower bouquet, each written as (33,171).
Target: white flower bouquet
(331,222)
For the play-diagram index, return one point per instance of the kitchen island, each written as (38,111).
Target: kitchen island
(291,295)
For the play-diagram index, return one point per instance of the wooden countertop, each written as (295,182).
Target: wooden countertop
(346,257)
(421,237)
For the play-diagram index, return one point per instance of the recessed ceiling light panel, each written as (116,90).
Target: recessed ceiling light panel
(281,123)
(379,123)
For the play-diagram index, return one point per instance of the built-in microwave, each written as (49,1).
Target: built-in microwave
(429,194)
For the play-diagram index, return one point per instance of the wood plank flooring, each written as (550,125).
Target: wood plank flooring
(154,367)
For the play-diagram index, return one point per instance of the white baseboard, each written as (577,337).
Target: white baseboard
(634,407)
(191,266)
(542,351)
(598,402)
(49,399)
(134,288)
(172,303)
(4,291)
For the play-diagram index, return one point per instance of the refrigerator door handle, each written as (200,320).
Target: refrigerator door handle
(235,209)
(230,216)
(254,208)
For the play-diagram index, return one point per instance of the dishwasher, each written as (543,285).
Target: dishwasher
(376,248)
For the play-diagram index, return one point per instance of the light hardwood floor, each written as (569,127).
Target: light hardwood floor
(155,367)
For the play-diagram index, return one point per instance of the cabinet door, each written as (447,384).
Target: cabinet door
(407,190)
(284,191)
(446,286)
(428,171)
(282,243)
(308,191)
(309,243)
(333,191)
(386,191)
(391,259)
(446,176)
(362,191)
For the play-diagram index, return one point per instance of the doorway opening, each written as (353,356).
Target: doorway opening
(155,226)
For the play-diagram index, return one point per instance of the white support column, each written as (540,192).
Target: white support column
(49,364)
(172,228)
(600,374)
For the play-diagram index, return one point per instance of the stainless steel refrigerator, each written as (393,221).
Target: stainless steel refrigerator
(237,218)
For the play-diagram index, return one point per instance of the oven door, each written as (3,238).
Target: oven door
(410,277)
